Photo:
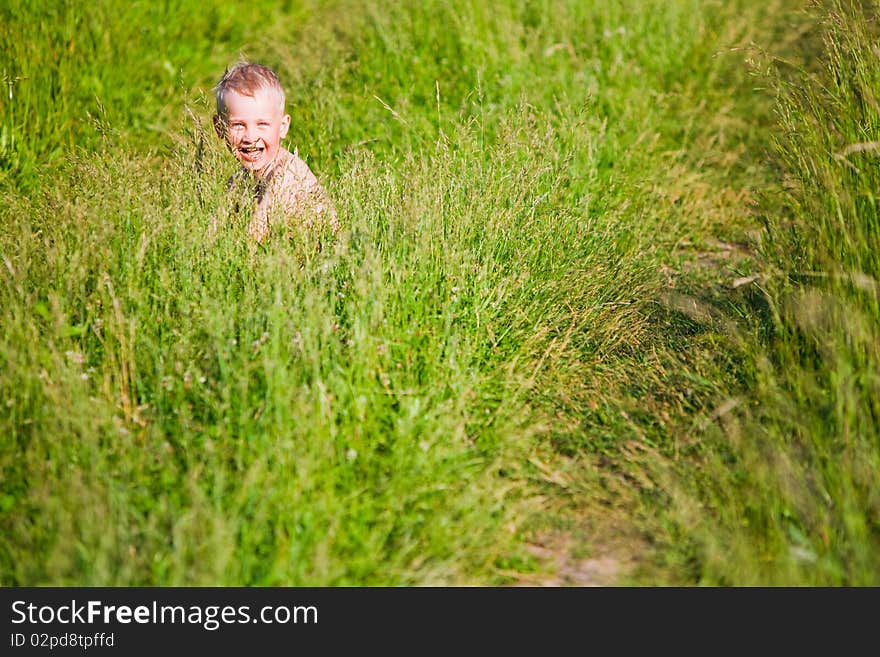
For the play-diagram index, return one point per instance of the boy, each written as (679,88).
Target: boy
(250,118)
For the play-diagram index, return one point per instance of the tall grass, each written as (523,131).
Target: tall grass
(786,488)
(508,340)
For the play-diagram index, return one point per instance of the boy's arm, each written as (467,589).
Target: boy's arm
(258,228)
(305,199)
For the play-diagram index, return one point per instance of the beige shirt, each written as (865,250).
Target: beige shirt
(290,193)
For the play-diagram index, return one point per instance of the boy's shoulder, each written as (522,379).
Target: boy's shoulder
(296,188)
(293,166)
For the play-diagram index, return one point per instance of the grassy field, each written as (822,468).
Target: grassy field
(605,308)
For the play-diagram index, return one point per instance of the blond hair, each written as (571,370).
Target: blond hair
(246,79)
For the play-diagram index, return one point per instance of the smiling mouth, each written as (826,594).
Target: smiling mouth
(251,153)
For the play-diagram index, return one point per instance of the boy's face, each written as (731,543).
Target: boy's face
(253,127)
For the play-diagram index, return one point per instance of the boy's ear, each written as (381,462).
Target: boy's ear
(220,126)
(285,125)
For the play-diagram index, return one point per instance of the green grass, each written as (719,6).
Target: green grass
(533,329)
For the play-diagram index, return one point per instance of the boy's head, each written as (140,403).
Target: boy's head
(250,115)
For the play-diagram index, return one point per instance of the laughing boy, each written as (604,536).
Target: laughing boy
(277,184)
